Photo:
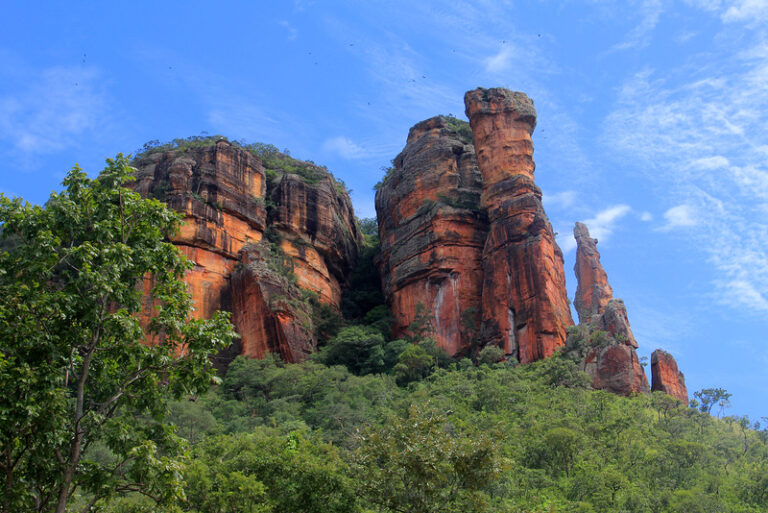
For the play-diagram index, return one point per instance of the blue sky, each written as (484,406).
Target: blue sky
(653,124)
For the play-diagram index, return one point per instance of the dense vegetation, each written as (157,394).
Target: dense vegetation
(531,438)
(91,419)
(83,409)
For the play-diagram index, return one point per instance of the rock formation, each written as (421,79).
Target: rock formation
(432,232)
(607,340)
(665,376)
(524,304)
(221,189)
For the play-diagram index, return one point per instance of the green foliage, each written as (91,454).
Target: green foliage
(182,144)
(389,172)
(266,472)
(359,348)
(278,163)
(490,355)
(711,397)
(421,463)
(460,127)
(275,162)
(75,371)
(363,293)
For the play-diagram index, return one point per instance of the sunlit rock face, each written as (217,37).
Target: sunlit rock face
(593,292)
(221,190)
(316,224)
(665,376)
(612,362)
(432,233)
(524,303)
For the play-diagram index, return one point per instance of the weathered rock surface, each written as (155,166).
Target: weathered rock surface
(609,344)
(666,377)
(317,227)
(593,292)
(524,304)
(432,232)
(268,310)
(222,191)
(617,369)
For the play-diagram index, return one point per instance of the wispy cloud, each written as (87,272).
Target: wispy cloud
(562,199)
(681,216)
(600,226)
(699,135)
(344,147)
(57,107)
(499,62)
(292,31)
(650,11)
(749,11)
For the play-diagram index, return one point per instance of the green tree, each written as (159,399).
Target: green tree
(710,397)
(77,370)
(261,471)
(418,463)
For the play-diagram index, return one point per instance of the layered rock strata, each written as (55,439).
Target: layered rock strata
(524,304)
(665,376)
(221,190)
(432,232)
(606,337)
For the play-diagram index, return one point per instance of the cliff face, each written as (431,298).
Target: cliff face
(610,356)
(222,191)
(432,232)
(665,377)
(524,304)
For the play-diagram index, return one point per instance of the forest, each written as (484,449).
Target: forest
(93,418)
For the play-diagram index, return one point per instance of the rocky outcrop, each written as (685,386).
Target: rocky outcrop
(432,232)
(593,292)
(268,309)
(524,304)
(665,376)
(605,337)
(223,191)
(316,225)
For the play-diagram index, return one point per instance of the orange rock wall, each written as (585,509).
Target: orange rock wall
(593,291)
(431,235)
(524,304)
(318,230)
(615,367)
(221,189)
(665,376)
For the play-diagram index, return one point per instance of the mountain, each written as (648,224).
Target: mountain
(467,255)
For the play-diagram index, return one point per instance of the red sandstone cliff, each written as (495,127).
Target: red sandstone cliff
(222,190)
(665,376)
(524,304)
(432,232)
(610,356)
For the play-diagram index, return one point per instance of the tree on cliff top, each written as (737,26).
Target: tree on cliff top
(77,375)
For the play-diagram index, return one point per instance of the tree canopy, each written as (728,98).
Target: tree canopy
(85,385)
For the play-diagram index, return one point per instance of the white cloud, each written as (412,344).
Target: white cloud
(710,163)
(681,216)
(292,32)
(601,226)
(344,147)
(639,37)
(750,11)
(698,134)
(562,199)
(646,216)
(61,105)
(499,62)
